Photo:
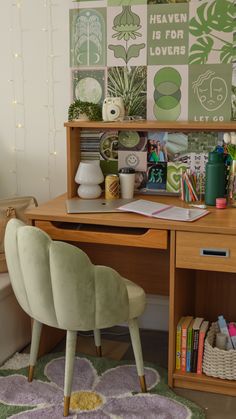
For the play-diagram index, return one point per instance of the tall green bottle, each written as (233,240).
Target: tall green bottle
(215,178)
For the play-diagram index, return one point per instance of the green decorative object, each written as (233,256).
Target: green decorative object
(79,110)
(167,75)
(129,83)
(212,21)
(126,27)
(215,178)
(174,173)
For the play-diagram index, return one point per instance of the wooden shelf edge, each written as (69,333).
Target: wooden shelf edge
(146,125)
(202,382)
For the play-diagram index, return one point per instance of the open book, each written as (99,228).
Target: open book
(167,212)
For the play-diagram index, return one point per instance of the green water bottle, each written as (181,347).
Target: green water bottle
(215,178)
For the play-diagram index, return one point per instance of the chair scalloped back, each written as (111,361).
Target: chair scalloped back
(56,283)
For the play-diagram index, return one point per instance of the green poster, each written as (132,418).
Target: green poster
(125,2)
(210,92)
(88,85)
(167,35)
(88,37)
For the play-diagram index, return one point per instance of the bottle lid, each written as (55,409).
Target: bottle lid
(214,157)
(127,170)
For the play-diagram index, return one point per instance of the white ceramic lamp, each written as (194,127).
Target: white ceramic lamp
(89,175)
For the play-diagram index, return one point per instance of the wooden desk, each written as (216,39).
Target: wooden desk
(163,257)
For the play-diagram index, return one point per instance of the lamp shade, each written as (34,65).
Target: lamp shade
(88,176)
(89,173)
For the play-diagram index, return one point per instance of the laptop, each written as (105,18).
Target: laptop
(78,205)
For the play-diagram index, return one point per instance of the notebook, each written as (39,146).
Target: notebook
(78,205)
(167,212)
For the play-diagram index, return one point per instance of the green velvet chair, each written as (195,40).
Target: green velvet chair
(57,285)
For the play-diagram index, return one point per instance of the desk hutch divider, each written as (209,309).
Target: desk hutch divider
(198,285)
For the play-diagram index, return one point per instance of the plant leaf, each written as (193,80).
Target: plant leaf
(134,50)
(223,13)
(199,52)
(201,24)
(227,53)
(216,16)
(119,51)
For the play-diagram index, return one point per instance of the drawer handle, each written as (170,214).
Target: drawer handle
(222,253)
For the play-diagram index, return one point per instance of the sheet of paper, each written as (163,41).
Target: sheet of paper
(144,207)
(181,214)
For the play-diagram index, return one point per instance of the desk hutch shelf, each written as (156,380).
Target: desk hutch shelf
(74,128)
(198,285)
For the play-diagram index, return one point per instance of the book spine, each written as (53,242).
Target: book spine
(200,352)
(178,348)
(195,351)
(224,329)
(189,350)
(183,349)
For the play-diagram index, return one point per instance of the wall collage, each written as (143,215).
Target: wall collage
(168,60)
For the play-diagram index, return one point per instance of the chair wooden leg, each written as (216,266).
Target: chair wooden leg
(97,340)
(71,339)
(142,382)
(99,351)
(138,355)
(66,405)
(34,348)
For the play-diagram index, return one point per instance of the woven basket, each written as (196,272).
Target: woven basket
(218,363)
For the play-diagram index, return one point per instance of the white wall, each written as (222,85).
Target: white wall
(34,45)
(35,72)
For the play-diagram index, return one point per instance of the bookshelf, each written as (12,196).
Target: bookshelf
(203,288)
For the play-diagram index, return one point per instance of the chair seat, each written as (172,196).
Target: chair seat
(137,299)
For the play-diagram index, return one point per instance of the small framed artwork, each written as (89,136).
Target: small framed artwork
(157,176)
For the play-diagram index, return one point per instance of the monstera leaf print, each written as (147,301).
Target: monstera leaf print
(216,16)
(199,52)
(227,52)
(224,11)
(201,24)
(210,22)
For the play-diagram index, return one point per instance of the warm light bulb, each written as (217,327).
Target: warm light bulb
(16,55)
(14,102)
(19,126)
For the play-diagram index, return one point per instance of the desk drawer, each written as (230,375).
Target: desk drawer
(119,236)
(209,252)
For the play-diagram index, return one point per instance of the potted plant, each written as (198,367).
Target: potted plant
(85,111)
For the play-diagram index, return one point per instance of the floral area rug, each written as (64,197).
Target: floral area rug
(102,389)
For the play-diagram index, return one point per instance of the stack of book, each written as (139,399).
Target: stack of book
(190,336)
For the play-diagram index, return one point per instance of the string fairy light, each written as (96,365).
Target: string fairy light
(17,86)
(50,81)
(17,83)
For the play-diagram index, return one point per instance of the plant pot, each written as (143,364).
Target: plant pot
(82,117)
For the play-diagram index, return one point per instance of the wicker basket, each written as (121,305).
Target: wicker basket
(218,363)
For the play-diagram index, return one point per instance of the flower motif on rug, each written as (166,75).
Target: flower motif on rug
(113,394)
